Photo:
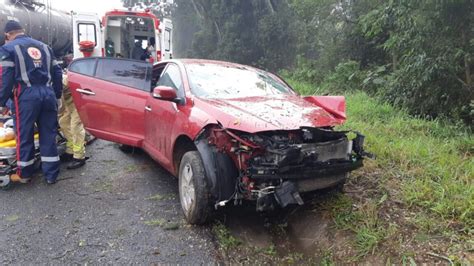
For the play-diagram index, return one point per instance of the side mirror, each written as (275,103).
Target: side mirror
(166,93)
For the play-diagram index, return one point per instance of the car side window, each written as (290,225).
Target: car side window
(129,73)
(84,66)
(171,78)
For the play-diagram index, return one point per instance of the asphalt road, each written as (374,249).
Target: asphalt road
(118,209)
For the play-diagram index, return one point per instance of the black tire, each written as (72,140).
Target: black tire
(6,186)
(126,149)
(198,210)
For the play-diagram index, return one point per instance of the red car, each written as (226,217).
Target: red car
(229,132)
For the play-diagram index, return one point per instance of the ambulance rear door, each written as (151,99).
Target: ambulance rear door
(166,39)
(87,27)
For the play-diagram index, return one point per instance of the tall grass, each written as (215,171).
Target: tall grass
(430,161)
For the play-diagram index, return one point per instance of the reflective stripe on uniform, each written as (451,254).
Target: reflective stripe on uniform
(21,59)
(7,64)
(48,62)
(50,159)
(25,164)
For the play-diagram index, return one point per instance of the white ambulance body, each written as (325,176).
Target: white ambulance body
(124,34)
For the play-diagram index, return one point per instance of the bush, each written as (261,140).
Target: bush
(346,77)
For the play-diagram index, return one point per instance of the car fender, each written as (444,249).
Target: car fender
(221,172)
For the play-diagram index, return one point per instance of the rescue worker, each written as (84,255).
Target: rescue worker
(137,51)
(32,77)
(73,130)
(109,47)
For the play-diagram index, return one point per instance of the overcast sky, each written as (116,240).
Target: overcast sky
(97,6)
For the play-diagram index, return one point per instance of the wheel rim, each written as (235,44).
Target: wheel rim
(187,188)
(4,181)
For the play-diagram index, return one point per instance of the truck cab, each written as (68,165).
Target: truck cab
(125,34)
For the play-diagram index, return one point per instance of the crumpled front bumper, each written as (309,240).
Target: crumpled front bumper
(313,167)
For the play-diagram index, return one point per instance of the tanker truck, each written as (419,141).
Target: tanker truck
(41,22)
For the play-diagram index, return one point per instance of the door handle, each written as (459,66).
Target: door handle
(148,108)
(85,91)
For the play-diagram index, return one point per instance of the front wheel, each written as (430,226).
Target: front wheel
(193,189)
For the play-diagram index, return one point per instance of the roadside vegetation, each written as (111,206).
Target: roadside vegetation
(419,188)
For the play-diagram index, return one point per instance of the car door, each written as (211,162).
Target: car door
(161,116)
(110,96)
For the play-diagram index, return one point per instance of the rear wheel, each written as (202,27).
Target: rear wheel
(193,189)
(126,149)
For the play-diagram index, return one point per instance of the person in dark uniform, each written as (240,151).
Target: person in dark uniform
(32,77)
(137,51)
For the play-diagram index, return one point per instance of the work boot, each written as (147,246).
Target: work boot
(19,179)
(76,163)
(51,182)
(66,157)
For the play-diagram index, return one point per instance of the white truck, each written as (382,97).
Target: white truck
(123,34)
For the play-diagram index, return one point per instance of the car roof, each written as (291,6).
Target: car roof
(192,61)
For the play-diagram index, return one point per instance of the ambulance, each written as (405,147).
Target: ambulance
(123,34)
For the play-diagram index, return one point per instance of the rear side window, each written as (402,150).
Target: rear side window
(125,72)
(84,66)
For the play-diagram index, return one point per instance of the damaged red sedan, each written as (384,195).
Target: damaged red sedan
(229,132)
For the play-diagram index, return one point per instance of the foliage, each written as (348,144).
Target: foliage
(429,43)
(161,8)
(252,32)
(414,54)
(346,77)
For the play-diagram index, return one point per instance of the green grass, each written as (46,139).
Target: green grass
(165,225)
(159,197)
(431,159)
(225,239)
(428,164)
(362,220)
(156,222)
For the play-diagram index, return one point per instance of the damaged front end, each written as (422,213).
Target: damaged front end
(274,167)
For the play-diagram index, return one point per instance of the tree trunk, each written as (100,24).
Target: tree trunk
(394,61)
(218,31)
(270,6)
(467,61)
(197,10)
(467,67)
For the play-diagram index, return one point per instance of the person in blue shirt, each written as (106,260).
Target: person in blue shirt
(30,75)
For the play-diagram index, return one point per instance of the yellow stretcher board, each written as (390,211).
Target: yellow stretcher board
(12,143)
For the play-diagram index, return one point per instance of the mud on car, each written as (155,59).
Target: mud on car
(229,132)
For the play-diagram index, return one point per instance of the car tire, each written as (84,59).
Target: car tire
(126,149)
(5,182)
(193,189)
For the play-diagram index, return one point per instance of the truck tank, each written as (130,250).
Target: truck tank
(41,22)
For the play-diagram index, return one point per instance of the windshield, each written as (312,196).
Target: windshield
(216,81)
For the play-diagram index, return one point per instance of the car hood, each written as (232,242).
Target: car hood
(275,112)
